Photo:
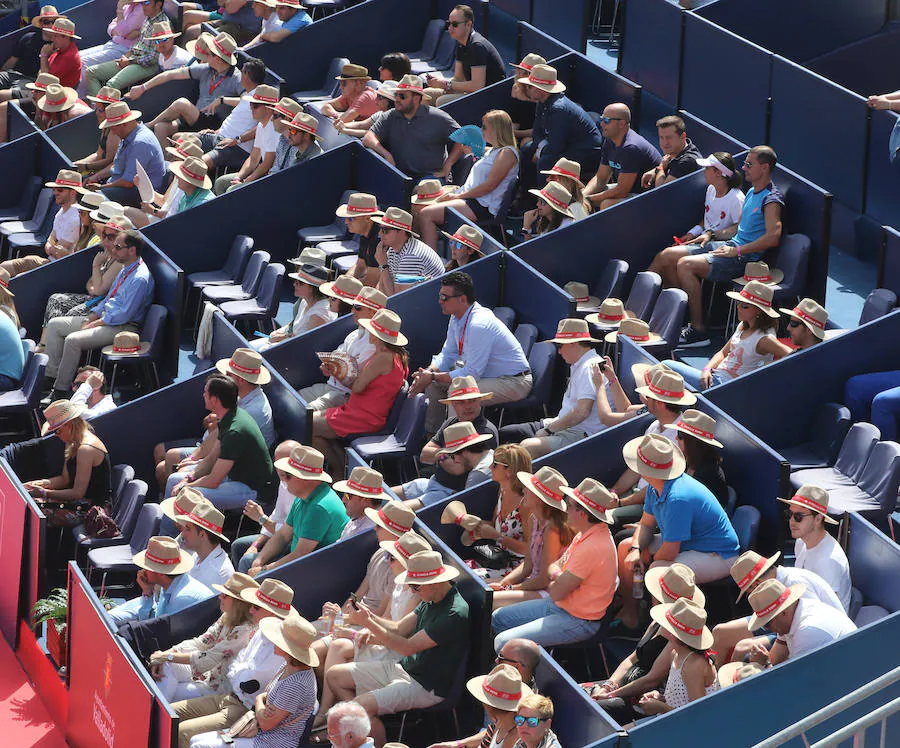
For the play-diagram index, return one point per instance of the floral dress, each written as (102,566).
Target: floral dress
(213,651)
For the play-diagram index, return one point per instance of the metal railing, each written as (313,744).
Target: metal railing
(855,730)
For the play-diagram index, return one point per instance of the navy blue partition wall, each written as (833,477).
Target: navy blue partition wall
(19,162)
(18,124)
(169,282)
(295,359)
(570,27)
(536,299)
(866,66)
(532,39)
(651,46)
(889,267)
(594,87)
(883,177)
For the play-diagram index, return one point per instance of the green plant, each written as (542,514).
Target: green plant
(54,607)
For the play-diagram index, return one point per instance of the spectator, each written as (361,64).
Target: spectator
(384,103)
(265,11)
(194,183)
(577,417)
(233,17)
(123,32)
(298,143)
(7,297)
(877,101)
(362,490)
(626,157)
(583,581)
(180,194)
(414,136)
(874,398)
(478,63)
(262,155)
(553,211)
(533,719)
(293,18)
(58,105)
(311,309)
(88,389)
(109,143)
(477,345)
(27,105)
(60,55)
(24,64)
(316,518)
(815,549)
(357,213)
(697,442)
(807,326)
(519,109)
(721,211)
(465,247)
(348,726)
(137,64)
(568,174)
(357,100)
(404,260)
(393,66)
(12,354)
(680,156)
(726,253)
(202,535)
(170,56)
(500,691)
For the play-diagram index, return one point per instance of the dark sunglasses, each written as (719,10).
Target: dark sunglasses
(455,24)
(797,516)
(120,246)
(109,235)
(794,323)
(446,297)
(401,96)
(607,120)
(500,659)
(530,721)
(357,307)
(386,230)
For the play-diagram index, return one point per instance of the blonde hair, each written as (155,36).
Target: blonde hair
(517,459)
(78,428)
(239,614)
(501,126)
(541,704)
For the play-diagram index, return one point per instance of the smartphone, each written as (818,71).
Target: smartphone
(354,600)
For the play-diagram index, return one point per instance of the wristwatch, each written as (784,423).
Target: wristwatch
(170,658)
(385,267)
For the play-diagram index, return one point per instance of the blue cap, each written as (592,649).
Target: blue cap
(471,136)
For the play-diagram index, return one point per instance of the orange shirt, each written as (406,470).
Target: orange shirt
(591,556)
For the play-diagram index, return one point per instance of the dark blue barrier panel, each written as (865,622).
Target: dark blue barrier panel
(570,27)
(51,159)
(372,174)
(882,177)
(18,123)
(874,564)
(453,220)
(708,138)
(594,87)
(799,96)
(651,46)
(532,39)
(537,300)
(710,90)
(469,109)
(169,282)
(889,267)
(865,66)
(630,354)
(13,548)
(225,339)
(19,162)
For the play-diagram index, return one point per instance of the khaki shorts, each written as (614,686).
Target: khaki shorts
(394,689)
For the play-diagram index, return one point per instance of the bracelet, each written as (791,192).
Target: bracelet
(738,248)
(43,493)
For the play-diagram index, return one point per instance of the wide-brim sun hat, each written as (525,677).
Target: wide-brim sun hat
(235,584)
(556,196)
(247,364)
(756,294)
(306,463)
(734,672)
(812,314)
(394,516)
(770,599)
(502,688)
(654,456)
(699,425)
(545,78)
(750,566)
(667,386)
(363,481)
(635,330)
(811,497)
(426,567)
(546,483)
(685,621)
(193,171)
(761,272)
(272,595)
(670,583)
(385,325)
(293,635)
(164,556)
(593,497)
(60,412)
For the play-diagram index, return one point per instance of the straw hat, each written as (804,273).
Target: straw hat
(770,599)
(592,496)
(410,83)
(396,218)
(209,518)
(346,288)
(429,190)
(311,275)
(184,150)
(407,545)
(502,688)
(223,47)
(246,364)
(236,584)
(387,89)
(306,463)
(685,621)
(164,556)
(365,482)
(458,436)
(57,99)
(669,583)
(760,272)
(64,27)
(547,485)
(4,281)
(351,72)
(67,179)
(634,329)
(468,236)
(126,343)
(294,635)
(667,386)
(206,38)
(60,412)
(263,94)
(385,326)
(455,514)
(732,672)
(582,295)
(426,567)
(193,171)
(556,196)
(120,223)
(644,372)
(755,293)
(310,256)
(572,330)
(271,595)
(654,456)
(162,30)
(371,298)
(748,567)
(106,95)
(610,316)
(289,3)
(306,123)
(358,204)
(545,78)
(464,388)
(182,504)
(394,517)
(811,497)
(287,107)
(118,114)
(811,314)
(528,62)
(700,426)
(42,81)
(48,13)
(89,201)
(107,211)
(565,167)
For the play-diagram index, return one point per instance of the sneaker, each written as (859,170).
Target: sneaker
(691,337)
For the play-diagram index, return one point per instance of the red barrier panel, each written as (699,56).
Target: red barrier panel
(12,537)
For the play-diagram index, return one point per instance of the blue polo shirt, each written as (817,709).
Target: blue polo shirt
(688,513)
(753,220)
(297,21)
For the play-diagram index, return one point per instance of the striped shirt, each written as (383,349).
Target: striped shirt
(296,695)
(414,258)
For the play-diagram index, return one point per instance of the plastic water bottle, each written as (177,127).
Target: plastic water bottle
(637,589)
(338,620)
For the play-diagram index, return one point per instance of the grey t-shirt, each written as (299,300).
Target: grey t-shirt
(213,85)
(418,145)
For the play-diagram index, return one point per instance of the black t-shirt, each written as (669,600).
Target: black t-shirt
(712,476)
(482,426)
(685,162)
(367,246)
(479,52)
(634,156)
(28,53)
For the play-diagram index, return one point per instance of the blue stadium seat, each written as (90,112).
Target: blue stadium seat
(745,522)
(527,336)
(330,87)
(403,444)
(541,362)
(235,265)
(337,229)
(850,463)
(666,321)
(263,307)
(507,315)
(827,432)
(643,294)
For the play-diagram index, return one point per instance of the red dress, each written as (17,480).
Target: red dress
(367,411)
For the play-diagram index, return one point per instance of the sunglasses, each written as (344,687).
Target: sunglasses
(109,235)
(357,307)
(500,659)
(794,323)
(118,246)
(797,516)
(493,465)
(386,230)
(401,96)
(455,24)
(530,721)
(607,120)
(445,297)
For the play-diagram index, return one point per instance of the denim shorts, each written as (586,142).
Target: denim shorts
(722,268)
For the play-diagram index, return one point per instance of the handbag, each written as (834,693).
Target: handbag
(98,523)
(491,555)
(245,727)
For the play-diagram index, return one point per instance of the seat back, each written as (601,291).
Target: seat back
(855,450)
(146,527)
(829,428)
(42,206)
(445,52)
(132,501)
(507,315)
(34,379)
(878,303)
(880,477)
(495,225)
(643,294)
(731,506)
(746,526)
(394,415)
(430,40)
(411,423)
(856,601)
(28,348)
(541,363)
(30,194)
(154,328)
(331,83)
(238,256)
(121,474)
(459,172)
(793,260)
(255,267)
(269,293)
(609,285)
(527,336)
(668,314)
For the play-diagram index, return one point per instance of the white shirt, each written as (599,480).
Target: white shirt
(283,505)
(721,212)
(829,561)
(216,568)
(104,405)
(815,624)
(178,59)
(257,661)
(266,138)
(172,201)
(356,526)
(816,587)
(743,356)
(238,122)
(305,313)
(358,345)
(272,23)
(67,224)
(581,387)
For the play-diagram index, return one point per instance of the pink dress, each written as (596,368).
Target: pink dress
(367,411)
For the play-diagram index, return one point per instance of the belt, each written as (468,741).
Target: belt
(523,373)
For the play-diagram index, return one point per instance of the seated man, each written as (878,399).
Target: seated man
(808,324)
(403,259)
(269,20)
(123,308)
(583,581)
(626,156)
(88,389)
(170,55)
(578,417)
(233,17)
(393,66)
(191,181)
(363,494)
(477,345)
(245,368)
(60,55)
(357,100)
(729,250)
(348,726)
(297,139)
(58,105)
(12,355)
(679,157)
(693,528)
(202,536)
(317,515)
(24,64)
(464,461)
(357,214)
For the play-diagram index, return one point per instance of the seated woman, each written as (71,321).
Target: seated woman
(500,692)
(109,142)
(552,211)
(488,182)
(533,720)
(199,666)
(385,102)
(465,246)
(372,394)
(697,442)
(548,535)
(752,346)
(568,174)
(310,310)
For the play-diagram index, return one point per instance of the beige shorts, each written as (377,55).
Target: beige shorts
(394,689)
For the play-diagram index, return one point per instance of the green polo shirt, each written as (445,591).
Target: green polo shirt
(320,517)
(197,197)
(241,441)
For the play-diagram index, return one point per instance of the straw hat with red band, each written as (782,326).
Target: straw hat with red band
(42,81)
(263,94)
(67,179)
(667,386)
(126,343)
(273,596)
(60,412)
(194,46)
(294,635)
(182,504)
(358,204)
(306,123)
(643,373)
(811,314)
(502,688)
(310,256)
(4,281)
(565,167)
(209,518)
(57,99)
(635,330)
(545,78)
(193,171)
(365,482)
(528,62)
(458,436)
(582,295)
(396,218)
(64,27)
(162,30)
(346,288)
(426,567)
(654,456)
(670,583)
(223,47)
(164,556)
(48,13)
(387,89)
(760,271)
(385,326)
(700,426)
(556,196)
(287,107)
(289,3)
(306,463)
(407,545)
(811,497)
(770,599)
(468,236)
(592,496)
(118,114)
(572,330)
(185,150)
(395,517)
(455,514)
(429,190)
(609,316)
(246,364)
(757,294)
(106,95)
(464,388)
(547,485)
(236,584)
(371,298)
(734,672)
(410,83)
(311,275)
(120,223)
(685,621)
(748,567)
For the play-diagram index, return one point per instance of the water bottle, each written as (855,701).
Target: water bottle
(338,620)
(637,589)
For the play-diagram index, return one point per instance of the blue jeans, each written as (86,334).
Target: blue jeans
(875,398)
(230,494)
(542,621)
(427,490)
(691,374)
(243,556)
(8,384)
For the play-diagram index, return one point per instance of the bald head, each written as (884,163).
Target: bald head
(525,654)
(619,111)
